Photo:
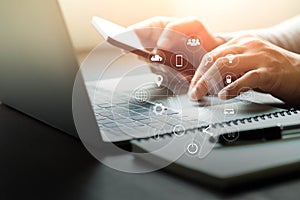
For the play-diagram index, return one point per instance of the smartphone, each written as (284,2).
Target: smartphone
(179,60)
(120,37)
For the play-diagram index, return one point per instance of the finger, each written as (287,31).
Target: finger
(224,50)
(189,26)
(210,80)
(206,62)
(175,35)
(250,80)
(207,81)
(241,64)
(237,45)
(143,59)
(149,31)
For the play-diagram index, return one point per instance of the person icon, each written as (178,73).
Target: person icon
(193,42)
(189,42)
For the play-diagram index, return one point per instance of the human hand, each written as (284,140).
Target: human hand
(256,64)
(171,35)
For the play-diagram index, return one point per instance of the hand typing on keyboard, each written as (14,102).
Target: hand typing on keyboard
(173,35)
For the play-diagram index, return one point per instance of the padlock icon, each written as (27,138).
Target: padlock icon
(228,79)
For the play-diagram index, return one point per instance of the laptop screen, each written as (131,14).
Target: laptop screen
(37,62)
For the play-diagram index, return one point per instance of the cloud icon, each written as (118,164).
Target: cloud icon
(156,58)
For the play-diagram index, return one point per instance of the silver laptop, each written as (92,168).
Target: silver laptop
(39,68)
(39,72)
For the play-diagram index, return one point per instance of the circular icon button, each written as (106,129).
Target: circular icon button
(193,43)
(141,95)
(178,130)
(192,148)
(231,137)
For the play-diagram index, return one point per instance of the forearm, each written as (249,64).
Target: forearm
(285,35)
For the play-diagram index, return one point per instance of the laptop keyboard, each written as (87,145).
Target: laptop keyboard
(126,118)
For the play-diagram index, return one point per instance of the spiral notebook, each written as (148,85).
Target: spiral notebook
(226,166)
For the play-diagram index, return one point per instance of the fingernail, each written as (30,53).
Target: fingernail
(193,94)
(222,94)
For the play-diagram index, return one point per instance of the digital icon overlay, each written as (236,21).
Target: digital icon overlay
(230,58)
(208,59)
(159,109)
(156,58)
(193,42)
(192,148)
(229,111)
(179,130)
(231,136)
(179,60)
(158,80)
(141,95)
(228,79)
(139,120)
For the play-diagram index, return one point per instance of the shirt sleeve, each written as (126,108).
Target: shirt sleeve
(285,34)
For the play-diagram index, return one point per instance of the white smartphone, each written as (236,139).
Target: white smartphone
(120,37)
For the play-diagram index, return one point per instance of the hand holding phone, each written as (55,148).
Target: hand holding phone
(128,40)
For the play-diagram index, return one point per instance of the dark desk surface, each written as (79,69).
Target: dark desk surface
(39,162)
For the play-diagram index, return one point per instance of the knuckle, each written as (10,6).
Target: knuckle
(254,42)
(255,76)
(270,54)
(195,21)
(262,78)
(266,80)
(250,41)
(243,37)
(219,63)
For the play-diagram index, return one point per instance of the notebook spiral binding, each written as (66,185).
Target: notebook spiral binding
(257,118)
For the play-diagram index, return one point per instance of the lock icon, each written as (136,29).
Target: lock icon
(228,79)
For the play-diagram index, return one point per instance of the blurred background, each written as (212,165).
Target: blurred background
(217,15)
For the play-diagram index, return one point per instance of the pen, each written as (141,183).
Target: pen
(263,134)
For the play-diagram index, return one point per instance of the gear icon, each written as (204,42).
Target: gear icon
(158,109)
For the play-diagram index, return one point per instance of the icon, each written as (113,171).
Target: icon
(192,148)
(231,136)
(246,95)
(228,79)
(230,58)
(159,109)
(193,42)
(206,131)
(141,95)
(179,130)
(229,111)
(179,61)
(157,134)
(156,58)
(158,80)
(209,59)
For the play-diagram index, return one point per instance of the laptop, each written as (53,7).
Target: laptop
(40,76)
(39,70)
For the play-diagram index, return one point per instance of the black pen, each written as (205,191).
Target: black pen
(263,134)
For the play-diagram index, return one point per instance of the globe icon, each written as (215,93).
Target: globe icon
(141,95)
